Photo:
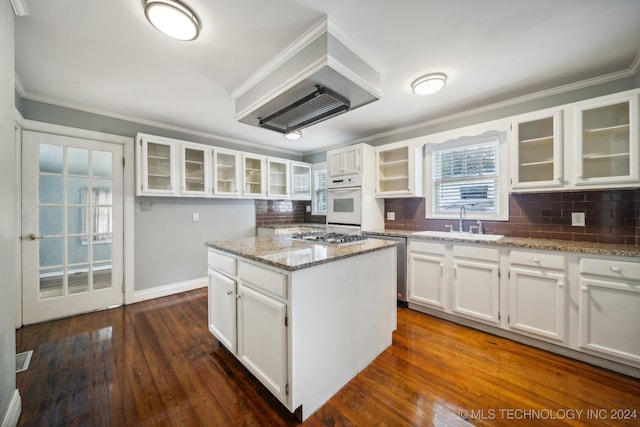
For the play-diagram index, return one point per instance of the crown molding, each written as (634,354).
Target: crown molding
(20,87)
(19,7)
(635,65)
(145,122)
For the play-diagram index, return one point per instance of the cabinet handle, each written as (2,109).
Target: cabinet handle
(615,269)
(229,292)
(536,260)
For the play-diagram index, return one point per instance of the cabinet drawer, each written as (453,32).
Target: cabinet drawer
(261,278)
(538,259)
(429,247)
(476,252)
(626,270)
(222,262)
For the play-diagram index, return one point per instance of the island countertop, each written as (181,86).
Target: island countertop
(289,254)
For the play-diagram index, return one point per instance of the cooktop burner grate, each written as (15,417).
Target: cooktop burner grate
(330,238)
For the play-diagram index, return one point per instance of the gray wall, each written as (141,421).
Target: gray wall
(169,246)
(8,217)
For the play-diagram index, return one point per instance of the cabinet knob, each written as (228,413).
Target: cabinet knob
(536,260)
(229,292)
(615,269)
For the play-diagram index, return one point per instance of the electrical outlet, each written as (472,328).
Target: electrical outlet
(195,217)
(577,219)
(391,216)
(308,208)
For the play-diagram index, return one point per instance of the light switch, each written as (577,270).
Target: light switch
(195,217)
(577,219)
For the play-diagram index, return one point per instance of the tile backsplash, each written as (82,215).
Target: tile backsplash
(274,212)
(610,216)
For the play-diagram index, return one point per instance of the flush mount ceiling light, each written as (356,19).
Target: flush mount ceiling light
(293,135)
(429,83)
(173,19)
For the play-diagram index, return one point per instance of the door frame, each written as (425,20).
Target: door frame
(129,194)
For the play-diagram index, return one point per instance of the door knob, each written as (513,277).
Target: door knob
(31,236)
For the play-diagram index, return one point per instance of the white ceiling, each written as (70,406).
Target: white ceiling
(103,56)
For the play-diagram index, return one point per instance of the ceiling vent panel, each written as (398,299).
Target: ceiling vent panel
(315,78)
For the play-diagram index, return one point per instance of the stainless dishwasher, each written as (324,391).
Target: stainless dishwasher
(402,264)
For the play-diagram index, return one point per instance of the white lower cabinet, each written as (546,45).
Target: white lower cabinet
(587,303)
(609,308)
(222,309)
(537,295)
(427,283)
(476,283)
(262,338)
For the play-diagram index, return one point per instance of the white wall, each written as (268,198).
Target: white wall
(8,217)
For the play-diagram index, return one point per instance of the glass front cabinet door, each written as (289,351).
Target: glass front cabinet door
(156,169)
(194,170)
(607,136)
(278,178)
(300,181)
(253,179)
(538,150)
(226,172)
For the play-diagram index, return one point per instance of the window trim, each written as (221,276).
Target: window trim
(314,168)
(472,136)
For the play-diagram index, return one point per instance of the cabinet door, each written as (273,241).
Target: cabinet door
(254,176)
(607,135)
(335,163)
(300,181)
(538,150)
(226,172)
(262,339)
(278,178)
(195,170)
(476,290)
(351,162)
(537,303)
(158,167)
(610,318)
(222,309)
(426,280)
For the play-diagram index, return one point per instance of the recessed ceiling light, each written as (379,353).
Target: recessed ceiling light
(429,83)
(172,18)
(293,135)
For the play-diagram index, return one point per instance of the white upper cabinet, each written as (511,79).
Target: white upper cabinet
(607,140)
(253,175)
(226,172)
(300,181)
(195,175)
(344,161)
(156,165)
(537,150)
(278,178)
(399,170)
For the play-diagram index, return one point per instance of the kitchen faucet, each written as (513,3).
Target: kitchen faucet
(463,211)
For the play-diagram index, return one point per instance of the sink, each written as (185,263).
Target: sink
(460,236)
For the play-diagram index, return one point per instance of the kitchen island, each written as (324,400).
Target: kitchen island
(303,317)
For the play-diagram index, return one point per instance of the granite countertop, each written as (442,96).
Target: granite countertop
(525,242)
(305,225)
(289,254)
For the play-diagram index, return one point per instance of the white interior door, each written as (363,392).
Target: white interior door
(72,226)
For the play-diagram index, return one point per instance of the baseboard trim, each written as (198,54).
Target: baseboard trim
(170,289)
(13,412)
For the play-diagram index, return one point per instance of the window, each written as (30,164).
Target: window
(319,204)
(466,172)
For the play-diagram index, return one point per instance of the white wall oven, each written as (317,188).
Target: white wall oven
(344,206)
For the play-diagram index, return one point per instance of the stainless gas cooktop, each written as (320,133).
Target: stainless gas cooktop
(330,238)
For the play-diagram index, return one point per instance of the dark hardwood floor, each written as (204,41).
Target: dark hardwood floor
(155,364)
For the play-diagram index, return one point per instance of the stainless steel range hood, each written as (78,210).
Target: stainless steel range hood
(316,78)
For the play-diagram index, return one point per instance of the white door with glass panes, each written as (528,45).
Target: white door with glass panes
(253,180)
(156,167)
(300,181)
(278,178)
(195,172)
(72,226)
